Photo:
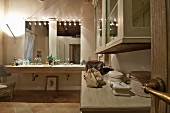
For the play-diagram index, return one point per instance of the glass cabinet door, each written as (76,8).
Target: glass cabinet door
(99,24)
(111,20)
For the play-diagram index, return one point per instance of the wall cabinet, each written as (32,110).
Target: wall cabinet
(124,27)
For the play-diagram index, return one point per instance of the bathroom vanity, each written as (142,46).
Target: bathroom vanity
(102,100)
(45,68)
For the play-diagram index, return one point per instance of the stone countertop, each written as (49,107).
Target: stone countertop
(45,68)
(103,99)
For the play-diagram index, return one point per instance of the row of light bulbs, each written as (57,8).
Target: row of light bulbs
(47,23)
(62,20)
(39,23)
(69,23)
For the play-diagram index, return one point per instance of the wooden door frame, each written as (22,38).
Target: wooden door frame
(160,49)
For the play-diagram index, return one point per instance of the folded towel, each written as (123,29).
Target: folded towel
(120,85)
(112,80)
(122,92)
(115,74)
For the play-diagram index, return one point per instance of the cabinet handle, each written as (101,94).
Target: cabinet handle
(156,87)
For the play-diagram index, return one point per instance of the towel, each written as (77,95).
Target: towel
(115,74)
(112,80)
(121,89)
(120,85)
(122,92)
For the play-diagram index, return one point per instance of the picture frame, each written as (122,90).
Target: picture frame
(51,83)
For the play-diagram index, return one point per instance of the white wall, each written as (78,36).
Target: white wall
(87,34)
(1,47)
(132,61)
(1,32)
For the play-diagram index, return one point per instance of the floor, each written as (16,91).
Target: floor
(41,102)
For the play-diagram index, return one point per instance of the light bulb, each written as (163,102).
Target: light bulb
(44,23)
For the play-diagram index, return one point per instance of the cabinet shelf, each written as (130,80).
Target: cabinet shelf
(124,47)
(126,44)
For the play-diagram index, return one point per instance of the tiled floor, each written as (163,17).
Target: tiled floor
(42,102)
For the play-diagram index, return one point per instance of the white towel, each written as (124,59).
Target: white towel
(120,85)
(112,80)
(115,74)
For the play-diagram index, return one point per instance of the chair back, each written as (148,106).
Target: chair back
(3,73)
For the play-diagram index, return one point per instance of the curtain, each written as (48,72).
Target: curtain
(29,46)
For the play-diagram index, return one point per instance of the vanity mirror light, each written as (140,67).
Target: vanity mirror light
(38,42)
